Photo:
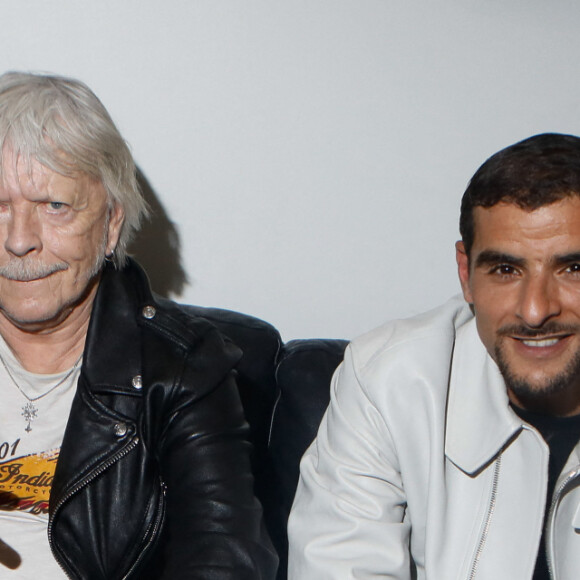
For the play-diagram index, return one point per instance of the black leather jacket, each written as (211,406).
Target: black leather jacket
(153,478)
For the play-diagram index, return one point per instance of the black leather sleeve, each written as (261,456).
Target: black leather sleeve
(213,526)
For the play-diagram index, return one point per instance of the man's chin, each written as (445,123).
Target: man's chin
(557,396)
(46,312)
(530,388)
(31,314)
(31,321)
(537,391)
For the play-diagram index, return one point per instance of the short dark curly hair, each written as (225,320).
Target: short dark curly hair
(530,174)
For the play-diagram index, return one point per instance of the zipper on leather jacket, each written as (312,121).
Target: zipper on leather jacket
(551,515)
(151,532)
(84,482)
(489,514)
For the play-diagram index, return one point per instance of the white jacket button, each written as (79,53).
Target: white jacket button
(137,382)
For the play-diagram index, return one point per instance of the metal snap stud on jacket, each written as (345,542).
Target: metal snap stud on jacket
(149,312)
(121,429)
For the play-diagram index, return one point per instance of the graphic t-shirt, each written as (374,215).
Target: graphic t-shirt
(33,416)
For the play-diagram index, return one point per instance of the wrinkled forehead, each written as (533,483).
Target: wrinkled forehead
(22,173)
(33,163)
(26,163)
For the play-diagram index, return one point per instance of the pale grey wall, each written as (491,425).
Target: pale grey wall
(312,153)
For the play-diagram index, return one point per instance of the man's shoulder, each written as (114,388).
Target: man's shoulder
(178,330)
(187,326)
(177,337)
(419,340)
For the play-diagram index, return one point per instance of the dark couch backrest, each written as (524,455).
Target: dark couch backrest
(303,376)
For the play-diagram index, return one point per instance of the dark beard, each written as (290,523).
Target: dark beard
(567,380)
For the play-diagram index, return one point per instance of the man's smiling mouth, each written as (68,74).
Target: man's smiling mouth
(551,336)
(540,342)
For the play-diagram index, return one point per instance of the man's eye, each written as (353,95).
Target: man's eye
(574,268)
(56,205)
(503,270)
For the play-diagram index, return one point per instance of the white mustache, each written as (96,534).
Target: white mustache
(26,270)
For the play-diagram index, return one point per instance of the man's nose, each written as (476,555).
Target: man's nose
(22,234)
(539,300)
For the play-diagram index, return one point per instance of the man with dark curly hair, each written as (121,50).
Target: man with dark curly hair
(450,447)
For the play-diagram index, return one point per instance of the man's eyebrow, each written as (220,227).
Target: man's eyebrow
(491,258)
(567,258)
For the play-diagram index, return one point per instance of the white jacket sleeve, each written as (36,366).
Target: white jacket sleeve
(348,519)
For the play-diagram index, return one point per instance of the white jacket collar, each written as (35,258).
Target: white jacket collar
(479,420)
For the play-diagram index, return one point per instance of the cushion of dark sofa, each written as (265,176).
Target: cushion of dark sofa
(304,374)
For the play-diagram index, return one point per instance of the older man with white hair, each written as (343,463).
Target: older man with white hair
(121,430)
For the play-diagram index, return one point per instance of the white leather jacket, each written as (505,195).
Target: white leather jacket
(421,470)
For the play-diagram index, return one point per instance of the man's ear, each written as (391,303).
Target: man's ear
(463,270)
(116,219)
